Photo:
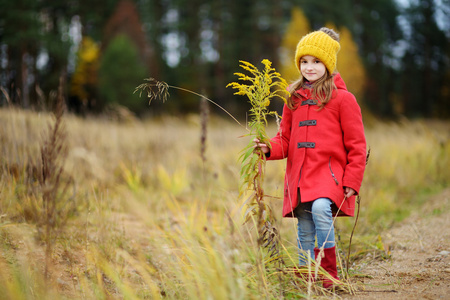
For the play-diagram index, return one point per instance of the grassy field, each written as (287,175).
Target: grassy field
(138,214)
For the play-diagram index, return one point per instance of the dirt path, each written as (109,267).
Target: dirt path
(419,267)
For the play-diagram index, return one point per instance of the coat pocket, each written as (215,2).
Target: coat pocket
(332,173)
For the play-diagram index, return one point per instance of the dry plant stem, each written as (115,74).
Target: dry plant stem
(197,94)
(160,89)
(358,201)
(53,153)
(5,93)
(204,114)
(41,97)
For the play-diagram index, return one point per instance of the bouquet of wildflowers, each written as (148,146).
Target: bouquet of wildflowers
(262,86)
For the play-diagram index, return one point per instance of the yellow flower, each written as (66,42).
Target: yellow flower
(268,79)
(264,85)
(267,63)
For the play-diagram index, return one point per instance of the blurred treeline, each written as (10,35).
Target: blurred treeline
(395,54)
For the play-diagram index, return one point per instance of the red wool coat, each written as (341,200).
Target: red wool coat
(325,150)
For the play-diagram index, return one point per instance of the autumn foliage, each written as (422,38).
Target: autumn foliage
(298,27)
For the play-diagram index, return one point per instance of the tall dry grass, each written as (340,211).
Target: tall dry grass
(156,219)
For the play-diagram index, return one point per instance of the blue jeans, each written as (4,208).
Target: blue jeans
(315,220)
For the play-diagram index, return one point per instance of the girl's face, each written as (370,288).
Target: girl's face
(312,68)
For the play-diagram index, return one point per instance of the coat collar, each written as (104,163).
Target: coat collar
(338,81)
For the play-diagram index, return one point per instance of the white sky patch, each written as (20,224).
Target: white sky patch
(441,14)
(42,59)
(208,38)
(75,37)
(172,16)
(405,3)
(398,50)
(405,26)
(207,41)
(172,44)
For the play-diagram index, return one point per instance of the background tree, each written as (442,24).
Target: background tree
(297,27)
(376,29)
(126,20)
(425,63)
(93,15)
(125,28)
(349,63)
(83,86)
(120,69)
(56,17)
(20,43)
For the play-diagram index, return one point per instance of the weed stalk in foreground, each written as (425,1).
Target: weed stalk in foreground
(54,212)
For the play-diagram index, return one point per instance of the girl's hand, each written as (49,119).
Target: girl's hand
(348,192)
(258,145)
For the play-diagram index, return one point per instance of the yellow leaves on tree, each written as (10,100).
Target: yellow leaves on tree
(298,27)
(349,63)
(84,80)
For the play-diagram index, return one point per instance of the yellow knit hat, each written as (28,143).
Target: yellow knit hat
(320,45)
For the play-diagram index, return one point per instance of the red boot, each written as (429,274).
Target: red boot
(328,262)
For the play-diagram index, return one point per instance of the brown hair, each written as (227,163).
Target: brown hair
(322,89)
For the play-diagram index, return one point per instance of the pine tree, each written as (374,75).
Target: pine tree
(120,69)
(126,20)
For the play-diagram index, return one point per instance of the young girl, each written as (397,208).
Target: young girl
(322,136)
